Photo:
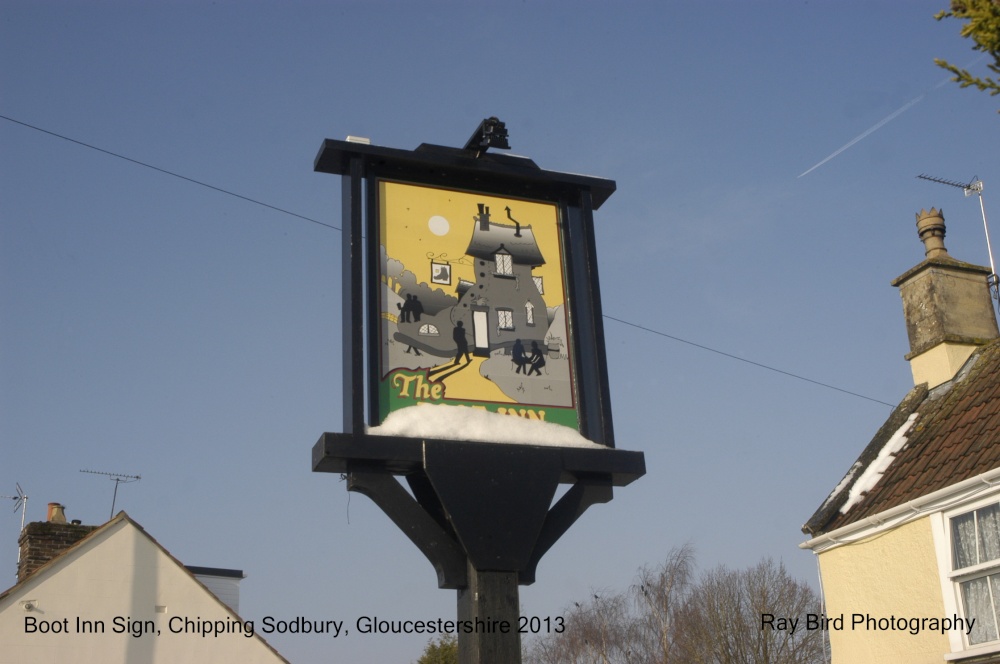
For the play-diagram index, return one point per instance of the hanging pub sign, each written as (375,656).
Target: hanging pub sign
(472,303)
(470,279)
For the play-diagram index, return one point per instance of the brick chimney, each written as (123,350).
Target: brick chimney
(42,541)
(947,307)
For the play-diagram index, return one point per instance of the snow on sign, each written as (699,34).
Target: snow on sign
(472,304)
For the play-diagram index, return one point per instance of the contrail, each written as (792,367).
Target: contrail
(889,118)
(883,122)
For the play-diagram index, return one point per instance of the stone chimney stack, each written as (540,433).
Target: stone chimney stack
(947,307)
(42,541)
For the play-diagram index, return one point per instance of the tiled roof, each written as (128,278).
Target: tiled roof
(955,436)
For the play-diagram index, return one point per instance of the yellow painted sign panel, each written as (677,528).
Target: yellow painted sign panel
(473,304)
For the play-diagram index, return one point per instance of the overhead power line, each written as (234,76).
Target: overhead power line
(743,359)
(336,228)
(170,173)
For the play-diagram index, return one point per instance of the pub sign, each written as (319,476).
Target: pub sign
(472,303)
(470,279)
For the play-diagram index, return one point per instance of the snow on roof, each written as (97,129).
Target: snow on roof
(478,424)
(873,473)
(843,484)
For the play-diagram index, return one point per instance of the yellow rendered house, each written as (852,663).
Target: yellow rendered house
(909,541)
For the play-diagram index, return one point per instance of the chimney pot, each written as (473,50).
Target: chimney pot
(930,228)
(56,513)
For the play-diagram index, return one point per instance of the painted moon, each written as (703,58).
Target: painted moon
(438,225)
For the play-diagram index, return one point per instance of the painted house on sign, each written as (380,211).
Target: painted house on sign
(504,303)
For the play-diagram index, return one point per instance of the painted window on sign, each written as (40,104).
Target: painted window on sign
(505,319)
(975,545)
(504,264)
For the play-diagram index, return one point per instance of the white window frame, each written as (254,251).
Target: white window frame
(981,569)
(951,579)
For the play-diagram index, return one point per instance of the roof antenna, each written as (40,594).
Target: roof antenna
(119,478)
(976,187)
(20,503)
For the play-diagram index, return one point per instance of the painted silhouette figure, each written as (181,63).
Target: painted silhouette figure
(520,359)
(404,310)
(537,360)
(416,309)
(458,334)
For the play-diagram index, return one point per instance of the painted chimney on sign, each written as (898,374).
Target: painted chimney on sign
(947,307)
(483,217)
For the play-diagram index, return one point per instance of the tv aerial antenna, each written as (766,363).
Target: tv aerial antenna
(119,478)
(20,503)
(975,187)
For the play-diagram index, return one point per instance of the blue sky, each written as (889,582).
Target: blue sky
(153,326)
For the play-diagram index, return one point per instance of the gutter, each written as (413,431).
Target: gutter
(897,516)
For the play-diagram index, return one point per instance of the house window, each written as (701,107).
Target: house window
(975,547)
(538,285)
(429,330)
(505,319)
(505,265)
(529,313)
